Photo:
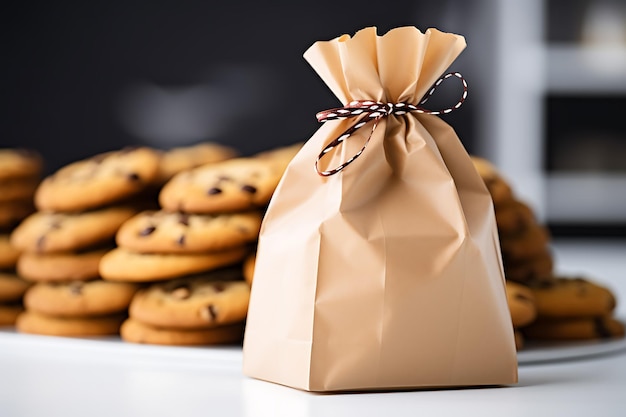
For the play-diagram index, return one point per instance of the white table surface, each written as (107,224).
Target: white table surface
(49,376)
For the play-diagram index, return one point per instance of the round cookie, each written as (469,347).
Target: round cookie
(60,266)
(531,242)
(9,313)
(18,163)
(281,156)
(235,185)
(13,212)
(47,232)
(171,232)
(572,298)
(248,268)
(12,287)
(584,328)
(97,181)
(513,217)
(183,158)
(79,298)
(534,270)
(193,303)
(499,189)
(134,331)
(521,304)
(18,189)
(8,253)
(121,264)
(36,323)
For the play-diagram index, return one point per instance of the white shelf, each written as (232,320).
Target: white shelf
(586,69)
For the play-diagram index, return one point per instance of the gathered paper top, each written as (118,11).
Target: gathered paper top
(399,66)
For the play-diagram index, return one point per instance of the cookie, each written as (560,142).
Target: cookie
(235,185)
(8,253)
(37,323)
(572,298)
(171,232)
(97,181)
(534,270)
(60,266)
(281,156)
(192,303)
(79,298)
(47,232)
(248,268)
(521,304)
(513,217)
(13,212)
(12,287)
(530,243)
(585,328)
(498,187)
(121,264)
(183,158)
(18,189)
(19,163)
(134,331)
(9,313)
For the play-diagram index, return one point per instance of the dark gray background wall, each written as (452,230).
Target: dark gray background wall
(82,77)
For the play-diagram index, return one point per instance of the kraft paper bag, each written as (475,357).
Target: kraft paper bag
(385,274)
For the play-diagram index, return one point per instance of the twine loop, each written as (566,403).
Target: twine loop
(369,111)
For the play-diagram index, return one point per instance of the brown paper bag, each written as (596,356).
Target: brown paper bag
(387,274)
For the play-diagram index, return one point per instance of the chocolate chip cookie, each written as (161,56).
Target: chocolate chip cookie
(47,232)
(235,185)
(171,232)
(134,331)
(42,324)
(183,158)
(121,264)
(193,303)
(60,266)
(79,298)
(101,180)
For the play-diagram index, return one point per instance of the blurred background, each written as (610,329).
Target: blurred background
(547,83)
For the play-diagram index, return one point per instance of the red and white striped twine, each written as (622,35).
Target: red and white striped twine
(374,111)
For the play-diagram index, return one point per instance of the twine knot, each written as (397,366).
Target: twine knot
(370,111)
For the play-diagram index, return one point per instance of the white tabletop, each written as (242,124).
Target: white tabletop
(49,376)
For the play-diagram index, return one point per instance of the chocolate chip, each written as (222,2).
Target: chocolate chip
(243,230)
(522,297)
(147,231)
(214,190)
(224,178)
(183,218)
(181,240)
(76,288)
(219,287)
(55,224)
(209,313)
(98,158)
(181,293)
(133,176)
(41,242)
(249,188)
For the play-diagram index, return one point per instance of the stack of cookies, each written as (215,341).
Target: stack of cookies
(190,253)
(79,209)
(543,305)
(525,243)
(20,174)
(573,308)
